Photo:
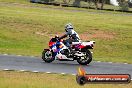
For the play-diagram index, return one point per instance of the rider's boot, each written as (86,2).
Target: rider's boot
(71,51)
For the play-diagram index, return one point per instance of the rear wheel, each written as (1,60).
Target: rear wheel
(47,56)
(86,58)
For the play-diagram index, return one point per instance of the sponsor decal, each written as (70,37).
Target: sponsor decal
(83,78)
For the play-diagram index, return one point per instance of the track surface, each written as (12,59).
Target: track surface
(13,62)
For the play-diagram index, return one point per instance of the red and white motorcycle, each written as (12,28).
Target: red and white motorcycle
(58,51)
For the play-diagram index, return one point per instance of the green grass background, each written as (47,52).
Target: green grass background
(41,80)
(20,21)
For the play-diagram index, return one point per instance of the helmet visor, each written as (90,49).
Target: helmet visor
(70,28)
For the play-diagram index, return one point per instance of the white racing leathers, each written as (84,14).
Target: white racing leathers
(73,34)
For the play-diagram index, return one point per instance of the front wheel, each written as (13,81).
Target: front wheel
(86,59)
(47,56)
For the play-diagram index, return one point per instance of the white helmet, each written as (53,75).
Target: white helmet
(68,26)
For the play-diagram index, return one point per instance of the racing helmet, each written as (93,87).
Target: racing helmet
(68,27)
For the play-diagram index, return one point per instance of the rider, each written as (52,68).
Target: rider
(73,36)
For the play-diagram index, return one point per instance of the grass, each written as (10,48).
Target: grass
(13,79)
(26,28)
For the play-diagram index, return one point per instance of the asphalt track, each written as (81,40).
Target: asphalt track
(36,64)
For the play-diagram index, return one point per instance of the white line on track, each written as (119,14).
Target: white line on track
(38,72)
(22,70)
(32,56)
(73,74)
(35,71)
(63,73)
(6,69)
(48,72)
(125,63)
(19,55)
(110,62)
(5,54)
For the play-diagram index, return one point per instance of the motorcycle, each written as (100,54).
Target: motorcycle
(59,51)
